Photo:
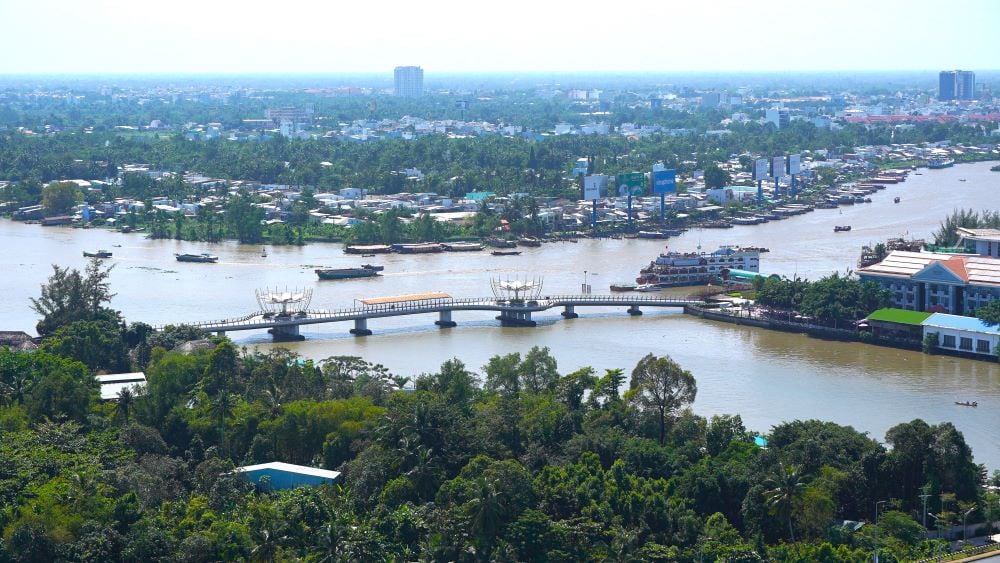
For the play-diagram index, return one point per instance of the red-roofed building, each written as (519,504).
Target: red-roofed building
(925,281)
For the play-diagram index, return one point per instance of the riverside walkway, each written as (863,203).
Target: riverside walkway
(512,312)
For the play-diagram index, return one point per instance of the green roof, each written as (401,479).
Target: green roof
(900,316)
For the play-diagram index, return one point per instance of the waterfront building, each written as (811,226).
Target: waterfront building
(986,242)
(956,85)
(937,282)
(963,334)
(899,324)
(409,81)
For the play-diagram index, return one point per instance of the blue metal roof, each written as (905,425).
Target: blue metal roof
(958,322)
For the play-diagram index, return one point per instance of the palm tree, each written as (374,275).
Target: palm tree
(783,489)
(126,398)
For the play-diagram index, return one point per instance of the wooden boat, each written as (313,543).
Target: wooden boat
(368,249)
(841,228)
(895,199)
(462,246)
(418,248)
(344,273)
(500,243)
(624,286)
(98,254)
(967,403)
(529,241)
(373,267)
(204,257)
(505,252)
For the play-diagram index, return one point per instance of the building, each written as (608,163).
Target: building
(956,85)
(984,242)
(409,81)
(112,384)
(277,475)
(897,324)
(779,117)
(937,282)
(968,335)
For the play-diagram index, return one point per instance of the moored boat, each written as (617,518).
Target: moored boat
(967,403)
(462,246)
(673,269)
(505,252)
(841,228)
(373,267)
(368,249)
(418,248)
(204,257)
(529,241)
(936,163)
(623,286)
(98,254)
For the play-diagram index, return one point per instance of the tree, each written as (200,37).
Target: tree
(58,198)
(716,177)
(98,344)
(661,385)
(783,490)
(70,296)
(989,313)
(245,219)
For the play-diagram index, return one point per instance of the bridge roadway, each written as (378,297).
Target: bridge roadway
(512,313)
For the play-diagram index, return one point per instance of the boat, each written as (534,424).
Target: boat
(462,246)
(418,248)
(97,254)
(373,267)
(505,252)
(368,249)
(203,257)
(895,199)
(967,403)
(841,228)
(674,269)
(624,286)
(344,273)
(500,243)
(961,179)
(936,163)
(649,287)
(652,234)
(529,241)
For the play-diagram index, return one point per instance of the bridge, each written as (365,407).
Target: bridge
(284,326)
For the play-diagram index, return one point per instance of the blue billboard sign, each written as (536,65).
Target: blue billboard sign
(665,181)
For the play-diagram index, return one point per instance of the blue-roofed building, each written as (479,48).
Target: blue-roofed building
(967,335)
(276,476)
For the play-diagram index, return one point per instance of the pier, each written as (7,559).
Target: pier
(284,325)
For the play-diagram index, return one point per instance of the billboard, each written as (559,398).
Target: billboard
(778,166)
(664,181)
(760,169)
(794,163)
(594,186)
(631,183)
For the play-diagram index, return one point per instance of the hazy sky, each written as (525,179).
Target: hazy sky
(330,36)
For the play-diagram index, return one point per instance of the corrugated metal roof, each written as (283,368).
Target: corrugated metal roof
(978,270)
(290,468)
(958,322)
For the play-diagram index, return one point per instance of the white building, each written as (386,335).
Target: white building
(963,334)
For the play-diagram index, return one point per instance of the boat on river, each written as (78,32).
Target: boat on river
(529,241)
(623,287)
(462,246)
(97,254)
(841,228)
(675,269)
(505,252)
(368,249)
(373,267)
(345,273)
(895,199)
(936,163)
(418,248)
(496,242)
(204,257)
(967,403)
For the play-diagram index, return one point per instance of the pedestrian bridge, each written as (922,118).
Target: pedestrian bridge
(512,312)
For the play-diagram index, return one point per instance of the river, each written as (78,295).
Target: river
(766,377)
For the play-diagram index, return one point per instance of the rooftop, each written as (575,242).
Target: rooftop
(899,316)
(958,322)
(979,270)
(290,468)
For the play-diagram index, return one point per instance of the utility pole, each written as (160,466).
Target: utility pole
(924,497)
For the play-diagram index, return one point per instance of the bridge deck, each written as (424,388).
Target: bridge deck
(257,320)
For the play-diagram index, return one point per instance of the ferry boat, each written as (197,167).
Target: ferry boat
(673,269)
(98,254)
(345,273)
(418,248)
(936,163)
(204,257)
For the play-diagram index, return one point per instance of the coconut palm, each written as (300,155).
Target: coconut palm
(783,489)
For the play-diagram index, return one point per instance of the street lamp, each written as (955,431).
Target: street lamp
(936,520)
(876,508)
(965,533)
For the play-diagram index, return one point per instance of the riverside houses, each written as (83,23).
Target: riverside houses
(968,335)
(937,282)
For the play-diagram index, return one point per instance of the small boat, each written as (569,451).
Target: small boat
(204,257)
(505,252)
(344,273)
(462,246)
(367,255)
(98,254)
(263,252)
(373,267)
(625,286)
(418,248)
(895,199)
(500,243)
(967,403)
(529,241)
(841,228)
(649,287)
(961,179)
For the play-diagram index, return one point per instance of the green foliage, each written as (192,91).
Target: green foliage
(98,344)
(70,295)
(947,233)
(659,386)
(989,313)
(58,198)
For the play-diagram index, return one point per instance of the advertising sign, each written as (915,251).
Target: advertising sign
(632,183)
(665,181)
(794,163)
(594,186)
(760,169)
(778,166)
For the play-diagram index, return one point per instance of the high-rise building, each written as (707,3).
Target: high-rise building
(956,85)
(409,81)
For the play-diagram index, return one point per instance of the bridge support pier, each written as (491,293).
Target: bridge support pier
(444,320)
(286,333)
(361,328)
(634,311)
(221,332)
(516,318)
(570,312)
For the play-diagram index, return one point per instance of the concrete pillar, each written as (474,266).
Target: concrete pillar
(444,320)
(361,328)
(286,333)
(515,318)
(634,311)
(220,332)
(570,312)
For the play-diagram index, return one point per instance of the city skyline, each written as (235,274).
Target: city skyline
(117,37)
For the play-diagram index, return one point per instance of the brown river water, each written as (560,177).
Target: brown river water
(766,377)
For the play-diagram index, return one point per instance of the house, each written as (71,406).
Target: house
(937,282)
(278,476)
(112,384)
(901,324)
(17,341)
(963,334)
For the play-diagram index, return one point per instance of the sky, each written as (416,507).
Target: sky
(451,36)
